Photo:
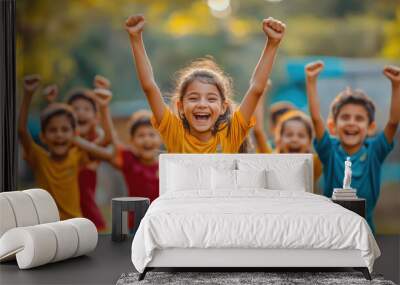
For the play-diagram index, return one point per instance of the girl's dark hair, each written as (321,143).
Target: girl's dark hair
(81,93)
(293,115)
(54,110)
(138,119)
(278,109)
(357,97)
(207,71)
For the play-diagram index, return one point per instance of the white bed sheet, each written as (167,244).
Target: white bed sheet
(251,218)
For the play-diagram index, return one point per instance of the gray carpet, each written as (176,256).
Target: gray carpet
(229,278)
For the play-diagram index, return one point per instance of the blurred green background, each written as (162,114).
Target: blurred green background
(68,42)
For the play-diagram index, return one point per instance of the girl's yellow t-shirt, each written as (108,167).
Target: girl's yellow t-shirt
(178,140)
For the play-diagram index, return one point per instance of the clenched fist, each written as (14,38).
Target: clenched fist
(134,25)
(31,83)
(51,93)
(274,30)
(313,69)
(393,73)
(102,96)
(101,82)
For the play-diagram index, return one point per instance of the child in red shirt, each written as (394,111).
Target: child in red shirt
(138,161)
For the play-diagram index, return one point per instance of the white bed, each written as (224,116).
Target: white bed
(247,210)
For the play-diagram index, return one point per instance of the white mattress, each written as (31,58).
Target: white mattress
(252,218)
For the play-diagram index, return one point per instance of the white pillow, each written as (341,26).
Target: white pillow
(291,180)
(281,173)
(251,179)
(188,177)
(223,179)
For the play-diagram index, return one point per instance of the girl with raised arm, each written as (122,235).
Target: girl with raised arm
(204,121)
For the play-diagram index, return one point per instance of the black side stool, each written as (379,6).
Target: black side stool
(356,205)
(120,207)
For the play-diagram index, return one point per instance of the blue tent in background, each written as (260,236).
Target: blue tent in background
(293,90)
(334,67)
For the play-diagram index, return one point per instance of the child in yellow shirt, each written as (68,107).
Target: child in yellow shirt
(55,170)
(294,134)
(56,167)
(205,121)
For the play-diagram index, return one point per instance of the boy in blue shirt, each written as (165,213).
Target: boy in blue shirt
(352,121)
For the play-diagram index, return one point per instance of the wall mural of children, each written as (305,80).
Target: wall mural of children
(202,119)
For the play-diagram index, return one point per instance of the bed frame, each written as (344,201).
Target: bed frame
(260,259)
(247,259)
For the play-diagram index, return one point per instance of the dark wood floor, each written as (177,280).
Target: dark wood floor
(106,264)
(102,266)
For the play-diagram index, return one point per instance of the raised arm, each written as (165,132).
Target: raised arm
(31,84)
(100,81)
(94,150)
(274,30)
(134,26)
(102,95)
(103,98)
(259,130)
(312,71)
(393,73)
